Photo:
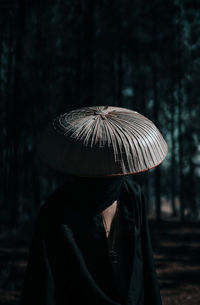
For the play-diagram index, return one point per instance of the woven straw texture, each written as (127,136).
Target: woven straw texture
(102,141)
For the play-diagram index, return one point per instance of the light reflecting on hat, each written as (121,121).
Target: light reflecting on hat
(102,141)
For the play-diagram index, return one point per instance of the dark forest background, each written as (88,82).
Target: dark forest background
(56,56)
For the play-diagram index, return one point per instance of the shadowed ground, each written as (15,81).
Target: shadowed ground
(177,257)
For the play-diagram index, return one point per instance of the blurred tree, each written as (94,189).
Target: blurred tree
(58,55)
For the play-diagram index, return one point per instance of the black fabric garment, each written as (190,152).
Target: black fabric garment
(68,261)
(120,258)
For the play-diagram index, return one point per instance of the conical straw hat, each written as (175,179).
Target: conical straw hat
(102,141)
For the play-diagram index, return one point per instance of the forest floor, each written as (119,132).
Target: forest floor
(177,257)
(176,249)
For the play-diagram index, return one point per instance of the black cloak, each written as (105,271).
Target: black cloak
(68,260)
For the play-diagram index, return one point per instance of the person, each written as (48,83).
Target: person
(92,244)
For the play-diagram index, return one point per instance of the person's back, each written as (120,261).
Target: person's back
(71,259)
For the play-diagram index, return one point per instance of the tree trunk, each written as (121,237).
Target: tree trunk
(88,56)
(119,61)
(180,154)
(16,112)
(8,94)
(157,169)
(180,111)
(79,58)
(173,160)
(113,74)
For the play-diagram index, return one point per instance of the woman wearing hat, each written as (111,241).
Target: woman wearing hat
(91,243)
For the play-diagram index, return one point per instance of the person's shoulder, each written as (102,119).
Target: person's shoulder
(52,208)
(136,192)
(49,204)
(132,185)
